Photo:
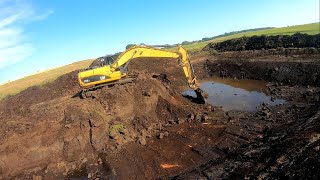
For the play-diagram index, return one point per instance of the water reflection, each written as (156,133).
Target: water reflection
(230,94)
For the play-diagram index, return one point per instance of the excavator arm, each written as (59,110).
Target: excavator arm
(188,69)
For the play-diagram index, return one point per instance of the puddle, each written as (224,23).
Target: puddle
(233,94)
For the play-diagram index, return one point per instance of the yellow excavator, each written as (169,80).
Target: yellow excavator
(116,71)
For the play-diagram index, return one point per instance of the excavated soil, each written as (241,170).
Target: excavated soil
(49,131)
(147,130)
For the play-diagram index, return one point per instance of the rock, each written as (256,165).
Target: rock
(125,132)
(265,112)
(191,116)
(314,138)
(144,133)
(166,134)
(161,135)
(210,108)
(84,160)
(119,139)
(145,93)
(181,120)
(90,175)
(99,161)
(198,117)
(272,99)
(142,141)
(118,147)
(205,117)
(282,159)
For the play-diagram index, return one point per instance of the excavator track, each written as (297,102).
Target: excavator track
(87,93)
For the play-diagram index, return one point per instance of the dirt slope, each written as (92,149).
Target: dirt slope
(50,130)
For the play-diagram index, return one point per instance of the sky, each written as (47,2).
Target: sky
(36,35)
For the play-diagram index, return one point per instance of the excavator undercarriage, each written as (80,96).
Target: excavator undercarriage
(87,93)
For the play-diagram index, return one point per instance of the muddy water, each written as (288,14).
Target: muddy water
(234,94)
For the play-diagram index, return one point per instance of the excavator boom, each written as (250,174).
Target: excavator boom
(141,52)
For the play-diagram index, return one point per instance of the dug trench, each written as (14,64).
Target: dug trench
(147,130)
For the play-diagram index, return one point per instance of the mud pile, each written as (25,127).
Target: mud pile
(297,40)
(50,131)
(20,103)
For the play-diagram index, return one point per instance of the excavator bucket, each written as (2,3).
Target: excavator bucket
(201,96)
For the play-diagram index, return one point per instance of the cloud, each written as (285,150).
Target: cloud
(15,45)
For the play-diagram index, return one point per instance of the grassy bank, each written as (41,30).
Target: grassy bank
(39,79)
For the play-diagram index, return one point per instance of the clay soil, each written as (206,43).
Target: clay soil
(147,130)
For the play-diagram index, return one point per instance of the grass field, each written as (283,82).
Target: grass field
(41,78)
(50,75)
(313,28)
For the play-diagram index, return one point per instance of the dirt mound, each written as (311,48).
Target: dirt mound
(48,129)
(297,40)
(19,103)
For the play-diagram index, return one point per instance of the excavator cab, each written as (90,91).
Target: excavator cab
(104,61)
